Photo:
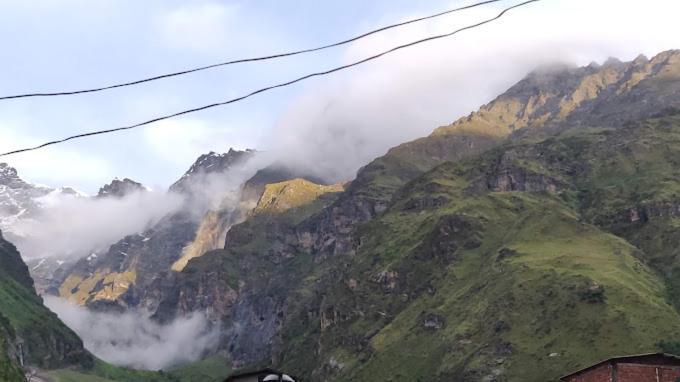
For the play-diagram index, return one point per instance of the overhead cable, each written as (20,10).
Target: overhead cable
(245,60)
(241,98)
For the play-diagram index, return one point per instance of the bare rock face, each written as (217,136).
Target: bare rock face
(121,277)
(120,188)
(508,176)
(211,163)
(42,340)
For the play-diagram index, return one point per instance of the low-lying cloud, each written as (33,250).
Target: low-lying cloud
(132,339)
(343,122)
(68,226)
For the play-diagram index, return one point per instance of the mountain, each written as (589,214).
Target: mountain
(120,277)
(34,342)
(21,203)
(120,188)
(530,238)
(22,200)
(29,333)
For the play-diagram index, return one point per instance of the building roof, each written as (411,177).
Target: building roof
(253,373)
(622,358)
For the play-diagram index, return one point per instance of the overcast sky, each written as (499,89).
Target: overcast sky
(337,123)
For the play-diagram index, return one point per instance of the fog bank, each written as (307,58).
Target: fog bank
(69,227)
(133,340)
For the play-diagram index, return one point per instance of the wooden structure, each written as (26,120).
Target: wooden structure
(652,367)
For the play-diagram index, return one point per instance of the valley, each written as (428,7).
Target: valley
(523,241)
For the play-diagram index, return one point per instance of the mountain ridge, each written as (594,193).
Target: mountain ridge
(347,282)
(463,255)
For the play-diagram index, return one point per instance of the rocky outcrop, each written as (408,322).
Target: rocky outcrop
(254,187)
(508,175)
(120,188)
(121,277)
(12,265)
(282,196)
(651,210)
(207,164)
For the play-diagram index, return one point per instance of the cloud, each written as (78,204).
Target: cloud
(340,123)
(72,227)
(181,141)
(197,27)
(133,340)
(56,165)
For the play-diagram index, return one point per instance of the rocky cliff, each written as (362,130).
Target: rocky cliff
(120,277)
(120,188)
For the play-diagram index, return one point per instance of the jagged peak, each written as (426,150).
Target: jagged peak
(641,59)
(212,162)
(612,61)
(8,172)
(556,93)
(594,65)
(120,188)
(9,177)
(669,56)
(207,161)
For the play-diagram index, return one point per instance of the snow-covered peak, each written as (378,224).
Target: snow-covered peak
(9,176)
(23,200)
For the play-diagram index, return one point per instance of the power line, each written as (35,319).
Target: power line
(245,60)
(308,76)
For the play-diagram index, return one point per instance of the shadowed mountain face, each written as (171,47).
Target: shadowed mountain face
(119,278)
(500,247)
(29,333)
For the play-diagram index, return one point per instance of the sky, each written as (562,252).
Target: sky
(333,125)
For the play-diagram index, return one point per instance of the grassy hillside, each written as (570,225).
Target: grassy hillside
(28,329)
(27,326)
(103,372)
(531,238)
(520,264)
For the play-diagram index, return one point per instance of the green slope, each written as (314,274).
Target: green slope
(522,272)
(514,265)
(27,327)
(213,369)
(542,246)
